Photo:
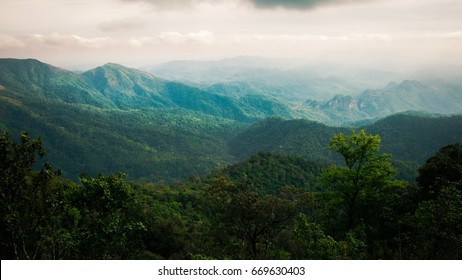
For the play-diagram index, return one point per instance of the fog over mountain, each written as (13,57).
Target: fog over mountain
(242,88)
(394,35)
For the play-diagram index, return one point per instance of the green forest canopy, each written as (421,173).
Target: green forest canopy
(272,206)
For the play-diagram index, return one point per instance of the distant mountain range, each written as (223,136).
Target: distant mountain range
(285,79)
(394,98)
(115,86)
(113,118)
(254,94)
(312,93)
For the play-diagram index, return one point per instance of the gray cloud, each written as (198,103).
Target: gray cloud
(263,4)
(299,4)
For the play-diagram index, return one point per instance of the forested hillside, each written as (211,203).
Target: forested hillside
(30,78)
(408,136)
(151,144)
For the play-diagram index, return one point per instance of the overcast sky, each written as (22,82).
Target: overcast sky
(80,33)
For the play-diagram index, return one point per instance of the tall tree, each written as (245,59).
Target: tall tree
(438,216)
(105,219)
(26,199)
(443,167)
(365,174)
(245,222)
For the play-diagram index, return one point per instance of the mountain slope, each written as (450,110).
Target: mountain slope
(411,95)
(302,137)
(133,89)
(34,79)
(269,173)
(116,86)
(151,144)
(394,98)
(407,137)
(415,138)
(128,88)
(147,142)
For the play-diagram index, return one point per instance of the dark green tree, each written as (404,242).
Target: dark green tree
(364,176)
(438,217)
(27,201)
(104,219)
(443,167)
(245,224)
(311,242)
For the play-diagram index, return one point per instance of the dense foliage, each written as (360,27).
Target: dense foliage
(271,206)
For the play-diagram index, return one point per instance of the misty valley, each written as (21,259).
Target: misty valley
(242,158)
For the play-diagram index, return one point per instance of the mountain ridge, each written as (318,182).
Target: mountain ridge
(34,78)
(409,95)
(116,86)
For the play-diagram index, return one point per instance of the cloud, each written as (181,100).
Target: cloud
(309,38)
(122,24)
(363,37)
(140,41)
(290,38)
(135,43)
(7,41)
(174,4)
(203,37)
(263,4)
(447,35)
(59,40)
(299,4)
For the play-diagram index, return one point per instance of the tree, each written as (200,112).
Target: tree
(27,203)
(103,219)
(438,230)
(366,173)
(246,223)
(438,217)
(443,167)
(46,217)
(312,243)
